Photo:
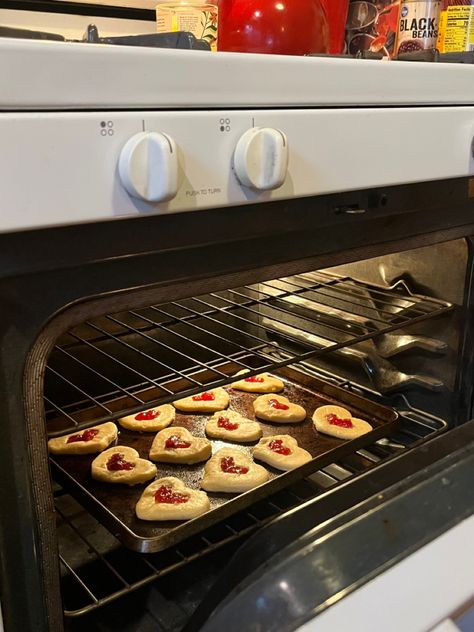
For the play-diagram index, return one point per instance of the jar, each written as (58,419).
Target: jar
(285,27)
(456,26)
(194,16)
(418,26)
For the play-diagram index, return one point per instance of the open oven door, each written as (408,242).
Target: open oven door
(291,571)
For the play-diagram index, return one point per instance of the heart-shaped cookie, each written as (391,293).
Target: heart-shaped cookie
(228,425)
(230,470)
(262,383)
(278,409)
(150,420)
(206,402)
(122,464)
(338,422)
(178,445)
(90,441)
(281,452)
(169,499)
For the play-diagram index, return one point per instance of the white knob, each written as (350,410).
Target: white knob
(148,167)
(261,158)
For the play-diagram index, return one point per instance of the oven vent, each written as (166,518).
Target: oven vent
(123,363)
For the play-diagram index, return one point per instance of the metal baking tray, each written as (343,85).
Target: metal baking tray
(114,505)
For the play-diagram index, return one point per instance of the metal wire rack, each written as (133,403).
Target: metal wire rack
(122,363)
(96,569)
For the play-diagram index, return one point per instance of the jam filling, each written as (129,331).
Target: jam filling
(117,462)
(229,467)
(274,403)
(87,435)
(334,420)
(225,422)
(176,442)
(204,397)
(255,379)
(166,495)
(276,445)
(148,415)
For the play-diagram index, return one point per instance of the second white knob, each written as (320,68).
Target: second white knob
(148,167)
(261,158)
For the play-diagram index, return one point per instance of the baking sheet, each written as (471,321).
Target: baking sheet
(114,504)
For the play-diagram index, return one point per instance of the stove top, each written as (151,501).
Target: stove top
(179,40)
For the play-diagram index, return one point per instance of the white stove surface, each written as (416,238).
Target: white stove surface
(93,132)
(57,75)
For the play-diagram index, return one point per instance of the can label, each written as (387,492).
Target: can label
(418,26)
(456,30)
(200,21)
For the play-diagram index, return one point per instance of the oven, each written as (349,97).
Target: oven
(356,275)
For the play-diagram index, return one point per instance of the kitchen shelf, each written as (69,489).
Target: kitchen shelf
(124,363)
(96,569)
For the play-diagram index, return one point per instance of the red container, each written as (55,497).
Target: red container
(283,27)
(336,12)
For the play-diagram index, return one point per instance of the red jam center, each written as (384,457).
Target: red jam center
(255,379)
(225,422)
(204,397)
(166,495)
(87,435)
(117,462)
(276,445)
(176,442)
(229,467)
(334,420)
(148,415)
(274,403)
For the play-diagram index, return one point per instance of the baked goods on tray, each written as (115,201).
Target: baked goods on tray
(281,452)
(90,441)
(278,409)
(206,402)
(169,499)
(231,470)
(262,383)
(150,420)
(178,445)
(122,464)
(338,422)
(228,425)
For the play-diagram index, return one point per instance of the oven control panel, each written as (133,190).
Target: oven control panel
(61,168)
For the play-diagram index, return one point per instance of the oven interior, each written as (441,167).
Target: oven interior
(393,329)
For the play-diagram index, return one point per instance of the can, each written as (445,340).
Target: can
(418,25)
(372,26)
(456,27)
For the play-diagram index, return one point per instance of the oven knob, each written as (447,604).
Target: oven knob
(148,167)
(261,158)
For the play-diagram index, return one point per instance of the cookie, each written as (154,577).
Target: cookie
(169,499)
(231,470)
(228,425)
(178,445)
(278,409)
(207,402)
(338,422)
(263,383)
(150,420)
(90,441)
(122,464)
(281,452)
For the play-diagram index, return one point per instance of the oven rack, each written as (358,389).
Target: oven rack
(123,363)
(96,569)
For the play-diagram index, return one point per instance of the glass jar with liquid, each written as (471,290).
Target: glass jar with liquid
(194,16)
